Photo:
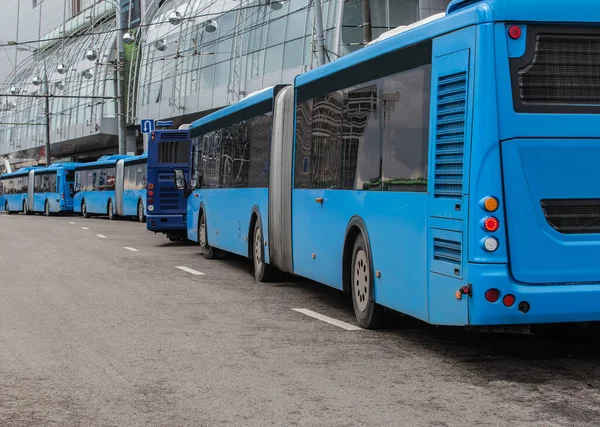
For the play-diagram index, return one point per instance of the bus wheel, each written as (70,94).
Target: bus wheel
(368,313)
(262,271)
(7,210)
(141,216)
(111,212)
(47,208)
(84,212)
(25,208)
(207,250)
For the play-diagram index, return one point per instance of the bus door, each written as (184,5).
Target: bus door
(120,173)
(31,191)
(450,140)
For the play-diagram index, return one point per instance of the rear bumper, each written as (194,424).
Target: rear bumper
(547,303)
(166,223)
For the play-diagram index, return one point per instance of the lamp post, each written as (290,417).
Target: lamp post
(37,81)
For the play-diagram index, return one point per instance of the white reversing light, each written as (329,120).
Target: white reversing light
(490,244)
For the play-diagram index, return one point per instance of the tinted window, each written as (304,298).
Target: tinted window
(406,129)
(70,176)
(173,152)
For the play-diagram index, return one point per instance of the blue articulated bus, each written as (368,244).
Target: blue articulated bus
(47,190)
(167,150)
(114,186)
(447,171)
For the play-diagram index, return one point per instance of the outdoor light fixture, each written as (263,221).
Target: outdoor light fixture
(14,90)
(128,38)
(175,18)
(91,55)
(60,85)
(87,74)
(160,44)
(211,26)
(276,5)
(62,68)
(36,81)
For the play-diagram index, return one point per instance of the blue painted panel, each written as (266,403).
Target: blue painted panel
(396,224)
(549,303)
(96,201)
(15,201)
(131,199)
(537,169)
(228,213)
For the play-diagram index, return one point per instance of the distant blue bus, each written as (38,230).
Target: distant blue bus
(447,171)
(47,190)
(114,186)
(167,150)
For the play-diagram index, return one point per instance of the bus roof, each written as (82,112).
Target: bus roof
(135,158)
(20,172)
(459,14)
(249,101)
(102,161)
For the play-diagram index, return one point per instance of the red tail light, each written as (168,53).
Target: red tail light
(509,300)
(491,224)
(492,295)
(514,32)
(150,193)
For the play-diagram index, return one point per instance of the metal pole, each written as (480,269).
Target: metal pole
(47,104)
(119,63)
(366,12)
(320,39)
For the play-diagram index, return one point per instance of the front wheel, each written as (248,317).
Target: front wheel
(368,313)
(111,212)
(262,271)
(84,211)
(141,216)
(207,250)
(47,208)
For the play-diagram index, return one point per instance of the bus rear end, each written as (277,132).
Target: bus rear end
(534,209)
(167,150)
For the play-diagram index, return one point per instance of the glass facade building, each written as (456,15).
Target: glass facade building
(189,58)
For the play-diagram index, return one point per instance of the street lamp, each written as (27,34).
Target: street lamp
(175,18)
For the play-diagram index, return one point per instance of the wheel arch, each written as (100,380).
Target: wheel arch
(255,217)
(355,226)
(202,211)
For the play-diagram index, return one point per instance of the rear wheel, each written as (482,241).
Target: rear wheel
(368,313)
(262,271)
(6,209)
(47,208)
(110,210)
(25,208)
(141,216)
(207,250)
(84,211)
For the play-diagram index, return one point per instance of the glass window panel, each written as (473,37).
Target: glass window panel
(222,74)
(406,129)
(295,23)
(273,59)
(206,78)
(292,54)
(276,27)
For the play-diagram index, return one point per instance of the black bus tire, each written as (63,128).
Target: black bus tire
(84,212)
(140,211)
(110,211)
(207,250)
(263,272)
(368,313)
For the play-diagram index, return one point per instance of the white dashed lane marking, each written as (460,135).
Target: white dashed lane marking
(190,270)
(131,249)
(327,319)
(102,236)
(71,222)
(84,228)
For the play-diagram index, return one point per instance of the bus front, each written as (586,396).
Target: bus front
(534,208)
(166,206)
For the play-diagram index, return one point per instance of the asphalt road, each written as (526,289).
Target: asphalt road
(93,334)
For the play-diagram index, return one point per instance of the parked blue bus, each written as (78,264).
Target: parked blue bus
(447,171)
(167,150)
(47,190)
(114,186)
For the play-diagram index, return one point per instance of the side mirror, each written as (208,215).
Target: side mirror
(179,179)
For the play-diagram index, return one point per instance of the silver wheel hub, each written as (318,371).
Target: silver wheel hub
(257,247)
(361,280)
(202,233)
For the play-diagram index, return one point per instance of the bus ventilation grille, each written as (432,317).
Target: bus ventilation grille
(450,135)
(564,70)
(181,135)
(573,216)
(447,251)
